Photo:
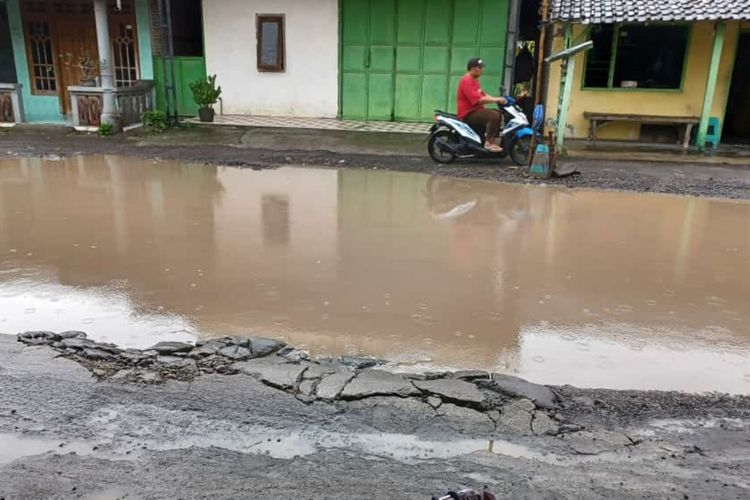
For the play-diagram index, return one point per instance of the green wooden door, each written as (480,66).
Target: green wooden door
(368,59)
(479,30)
(402,59)
(422,58)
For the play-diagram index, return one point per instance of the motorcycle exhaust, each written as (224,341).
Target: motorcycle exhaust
(446,146)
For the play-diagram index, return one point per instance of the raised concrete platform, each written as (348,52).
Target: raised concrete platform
(315,123)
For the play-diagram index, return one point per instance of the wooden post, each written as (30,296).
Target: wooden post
(613,57)
(552,153)
(532,150)
(538,90)
(713,72)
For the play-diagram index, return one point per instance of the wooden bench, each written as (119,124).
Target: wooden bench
(598,120)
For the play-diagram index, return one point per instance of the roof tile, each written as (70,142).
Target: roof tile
(614,11)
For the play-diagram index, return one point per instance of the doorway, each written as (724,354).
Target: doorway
(187,59)
(737,118)
(77,52)
(7,64)
(526,57)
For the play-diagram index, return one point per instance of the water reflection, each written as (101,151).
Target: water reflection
(609,289)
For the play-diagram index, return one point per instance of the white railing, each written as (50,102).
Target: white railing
(134,100)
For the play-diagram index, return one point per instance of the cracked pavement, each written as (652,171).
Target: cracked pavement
(228,436)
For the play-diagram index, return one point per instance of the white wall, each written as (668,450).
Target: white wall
(309,84)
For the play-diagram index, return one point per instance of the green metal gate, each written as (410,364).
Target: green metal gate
(402,59)
(186,70)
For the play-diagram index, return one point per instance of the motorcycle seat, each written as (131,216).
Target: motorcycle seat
(443,113)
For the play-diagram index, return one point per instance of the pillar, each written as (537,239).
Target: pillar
(567,75)
(110,114)
(713,72)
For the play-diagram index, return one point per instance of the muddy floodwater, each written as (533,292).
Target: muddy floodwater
(595,289)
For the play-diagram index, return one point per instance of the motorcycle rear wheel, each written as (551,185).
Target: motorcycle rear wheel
(438,154)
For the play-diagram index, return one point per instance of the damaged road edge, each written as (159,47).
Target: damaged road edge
(324,380)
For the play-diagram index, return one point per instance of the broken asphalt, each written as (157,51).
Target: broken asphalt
(79,430)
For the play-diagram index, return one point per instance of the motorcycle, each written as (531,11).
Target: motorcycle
(450,138)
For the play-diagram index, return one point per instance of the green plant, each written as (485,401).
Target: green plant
(105,129)
(154,122)
(205,92)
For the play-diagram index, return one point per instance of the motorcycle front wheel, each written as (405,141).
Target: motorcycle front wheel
(438,153)
(519,150)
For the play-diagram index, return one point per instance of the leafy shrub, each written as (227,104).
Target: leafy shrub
(155,122)
(205,91)
(105,130)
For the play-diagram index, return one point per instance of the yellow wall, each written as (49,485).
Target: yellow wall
(685,102)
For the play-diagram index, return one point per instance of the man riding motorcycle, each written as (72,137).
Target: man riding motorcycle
(471,99)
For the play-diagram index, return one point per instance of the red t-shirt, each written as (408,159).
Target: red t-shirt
(468,95)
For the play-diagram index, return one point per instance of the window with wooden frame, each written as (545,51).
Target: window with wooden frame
(270,36)
(41,60)
(632,56)
(124,53)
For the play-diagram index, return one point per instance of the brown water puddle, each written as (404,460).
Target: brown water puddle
(582,287)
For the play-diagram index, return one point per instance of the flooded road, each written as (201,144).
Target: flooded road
(595,289)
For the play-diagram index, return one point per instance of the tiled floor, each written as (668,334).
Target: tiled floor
(318,123)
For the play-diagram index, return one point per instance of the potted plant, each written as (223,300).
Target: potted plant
(205,95)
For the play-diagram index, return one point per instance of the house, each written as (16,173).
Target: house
(352,59)
(674,70)
(58,58)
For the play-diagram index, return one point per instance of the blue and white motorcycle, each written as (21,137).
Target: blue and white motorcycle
(450,138)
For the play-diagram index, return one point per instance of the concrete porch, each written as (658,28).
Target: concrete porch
(400,138)
(314,124)
(609,150)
